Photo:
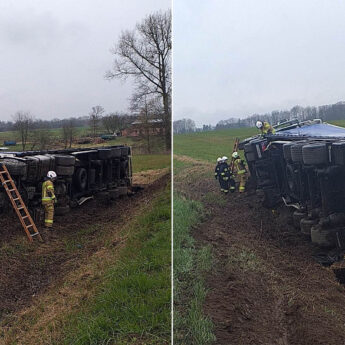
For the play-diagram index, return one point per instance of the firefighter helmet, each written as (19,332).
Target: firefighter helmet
(259,124)
(52,175)
(235,155)
(219,159)
(224,158)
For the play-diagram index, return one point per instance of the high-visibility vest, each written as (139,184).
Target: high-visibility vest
(267,128)
(47,192)
(240,166)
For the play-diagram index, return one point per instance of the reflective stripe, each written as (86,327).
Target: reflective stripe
(222,174)
(48,221)
(241,188)
(47,198)
(240,172)
(50,187)
(232,187)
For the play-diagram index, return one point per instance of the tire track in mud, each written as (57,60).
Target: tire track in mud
(27,270)
(265,287)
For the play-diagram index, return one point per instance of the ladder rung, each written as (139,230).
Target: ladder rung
(21,208)
(6,181)
(11,190)
(35,234)
(25,217)
(15,199)
(29,226)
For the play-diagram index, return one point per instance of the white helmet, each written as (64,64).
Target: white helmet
(259,124)
(235,155)
(51,174)
(219,159)
(224,158)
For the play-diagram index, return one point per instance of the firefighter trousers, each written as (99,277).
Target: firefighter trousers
(243,180)
(49,214)
(224,185)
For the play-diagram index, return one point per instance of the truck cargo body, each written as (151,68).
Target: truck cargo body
(81,173)
(303,166)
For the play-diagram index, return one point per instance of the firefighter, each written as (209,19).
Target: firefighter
(217,173)
(265,127)
(241,170)
(49,198)
(224,175)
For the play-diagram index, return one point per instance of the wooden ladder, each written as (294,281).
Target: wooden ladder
(235,149)
(18,204)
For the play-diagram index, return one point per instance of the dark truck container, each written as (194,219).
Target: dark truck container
(303,166)
(82,173)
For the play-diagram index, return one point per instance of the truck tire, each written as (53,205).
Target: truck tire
(323,237)
(297,217)
(15,167)
(248,148)
(62,210)
(64,170)
(287,151)
(64,160)
(306,225)
(104,153)
(80,179)
(296,152)
(338,153)
(315,154)
(250,156)
(124,151)
(116,152)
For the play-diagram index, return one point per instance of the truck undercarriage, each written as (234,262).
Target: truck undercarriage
(303,165)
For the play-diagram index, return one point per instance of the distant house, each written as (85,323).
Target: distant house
(137,128)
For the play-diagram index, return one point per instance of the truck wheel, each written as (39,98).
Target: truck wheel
(296,152)
(81,179)
(287,151)
(62,210)
(250,156)
(306,225)
(315,154)
(104,153)
(297,216)
(323,237)
(14,167)
(248,148)
(64,170)
(64,160)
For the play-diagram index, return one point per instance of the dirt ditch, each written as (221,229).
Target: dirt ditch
(265,287)
(27,270)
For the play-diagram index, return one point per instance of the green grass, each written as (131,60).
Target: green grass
(191,327)
(210,145)
(150,162)
(133,300)
(340,123)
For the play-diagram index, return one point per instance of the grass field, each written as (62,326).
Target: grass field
(132,304)
(151,162)
(190,266)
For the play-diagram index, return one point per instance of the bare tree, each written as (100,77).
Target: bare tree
(113,122)
(23,121)
(69,132)
(145,54)
(95,117)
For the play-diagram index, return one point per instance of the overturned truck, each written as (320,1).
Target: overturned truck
(82,173)
(303,166)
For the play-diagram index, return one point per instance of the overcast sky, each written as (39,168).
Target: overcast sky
(54,54)
(236,58)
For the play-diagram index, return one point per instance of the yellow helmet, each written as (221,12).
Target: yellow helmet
(235,155)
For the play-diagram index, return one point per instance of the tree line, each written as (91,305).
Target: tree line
(324,112)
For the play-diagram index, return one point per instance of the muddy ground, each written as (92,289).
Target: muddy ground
(264,287)
(27,270)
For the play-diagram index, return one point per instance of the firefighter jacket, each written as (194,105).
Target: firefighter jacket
(267,128)
(217,171)
(48,195)
(240,166)
(224,171)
